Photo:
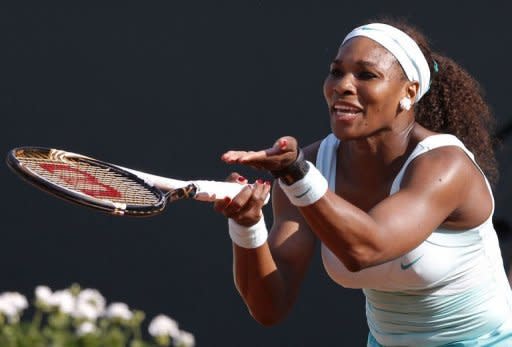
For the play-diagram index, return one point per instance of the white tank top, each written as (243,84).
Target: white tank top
(452,283)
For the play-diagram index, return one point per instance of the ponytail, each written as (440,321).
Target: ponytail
(455,105)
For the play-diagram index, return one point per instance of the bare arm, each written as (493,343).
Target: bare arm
(436,185)
(393,227)
(268,277)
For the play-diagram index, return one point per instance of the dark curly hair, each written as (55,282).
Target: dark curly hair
(454,103)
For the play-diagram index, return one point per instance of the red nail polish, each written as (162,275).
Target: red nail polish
(241,179)
(259,181)
(267,183)
(283,143)
(227,200)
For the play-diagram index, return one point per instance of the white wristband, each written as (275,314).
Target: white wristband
(307,190)
(248,237)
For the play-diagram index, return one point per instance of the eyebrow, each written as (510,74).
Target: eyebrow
(364,63)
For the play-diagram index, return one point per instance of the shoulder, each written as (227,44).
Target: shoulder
(447,173)
(441,154)
(448,162)
(445,158)
(447,176)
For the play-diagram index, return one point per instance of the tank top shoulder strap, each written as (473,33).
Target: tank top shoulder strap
(326,159)
(428,144)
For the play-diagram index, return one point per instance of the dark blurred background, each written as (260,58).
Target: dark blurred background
(167,87)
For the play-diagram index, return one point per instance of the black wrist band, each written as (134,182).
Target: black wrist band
(293,172)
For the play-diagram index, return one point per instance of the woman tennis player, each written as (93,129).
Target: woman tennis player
(399,196)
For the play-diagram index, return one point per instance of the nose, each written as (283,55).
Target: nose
(344,85)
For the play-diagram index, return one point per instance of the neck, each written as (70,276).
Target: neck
(377,157)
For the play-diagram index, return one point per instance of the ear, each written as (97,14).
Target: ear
(411,90)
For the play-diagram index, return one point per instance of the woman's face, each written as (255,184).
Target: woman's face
(363,89)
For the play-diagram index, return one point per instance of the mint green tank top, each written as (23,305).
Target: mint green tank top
(451,290)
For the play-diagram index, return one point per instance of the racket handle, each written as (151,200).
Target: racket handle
(207,190)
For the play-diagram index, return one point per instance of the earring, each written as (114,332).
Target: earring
(405,104)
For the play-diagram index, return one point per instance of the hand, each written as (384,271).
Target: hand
(245,207)
(280,155)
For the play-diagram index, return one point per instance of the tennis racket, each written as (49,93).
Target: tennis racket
(107,187)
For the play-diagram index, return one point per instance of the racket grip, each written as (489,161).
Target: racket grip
(206,190)
(215,190)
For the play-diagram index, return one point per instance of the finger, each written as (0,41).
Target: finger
(266,190)
(238,202)
(286,143)
(236,178)
(283,145)
(251,212)
(233,156)
(220,205)
(257,188)
(254,156)
(257,199)
(273,151)
(261,191)
(247,157)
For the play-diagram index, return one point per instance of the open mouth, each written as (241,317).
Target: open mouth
(346,112)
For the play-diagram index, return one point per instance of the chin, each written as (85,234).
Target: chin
(346,134)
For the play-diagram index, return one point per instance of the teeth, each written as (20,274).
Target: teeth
(345,109)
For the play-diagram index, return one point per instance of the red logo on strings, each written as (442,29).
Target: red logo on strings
(94,187)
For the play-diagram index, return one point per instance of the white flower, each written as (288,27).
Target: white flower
(19,301)
(92,297)
(162,325)
(12,304)
(43,295)
(63,300)
(85,328)
(185,339)
(119,310)
(86,311)
(89,305)
(8,309)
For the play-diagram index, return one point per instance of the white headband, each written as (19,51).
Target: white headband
(403,47)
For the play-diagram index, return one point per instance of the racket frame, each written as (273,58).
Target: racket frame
(62,192)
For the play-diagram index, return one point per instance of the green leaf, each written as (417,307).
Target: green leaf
(163,340)
(115,338)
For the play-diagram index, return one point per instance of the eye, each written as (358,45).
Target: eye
(335,72)
(366,75)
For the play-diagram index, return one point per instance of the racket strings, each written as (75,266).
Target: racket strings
(93,180)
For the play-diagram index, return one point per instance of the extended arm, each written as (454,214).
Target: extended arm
(268,277)
(438,186)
